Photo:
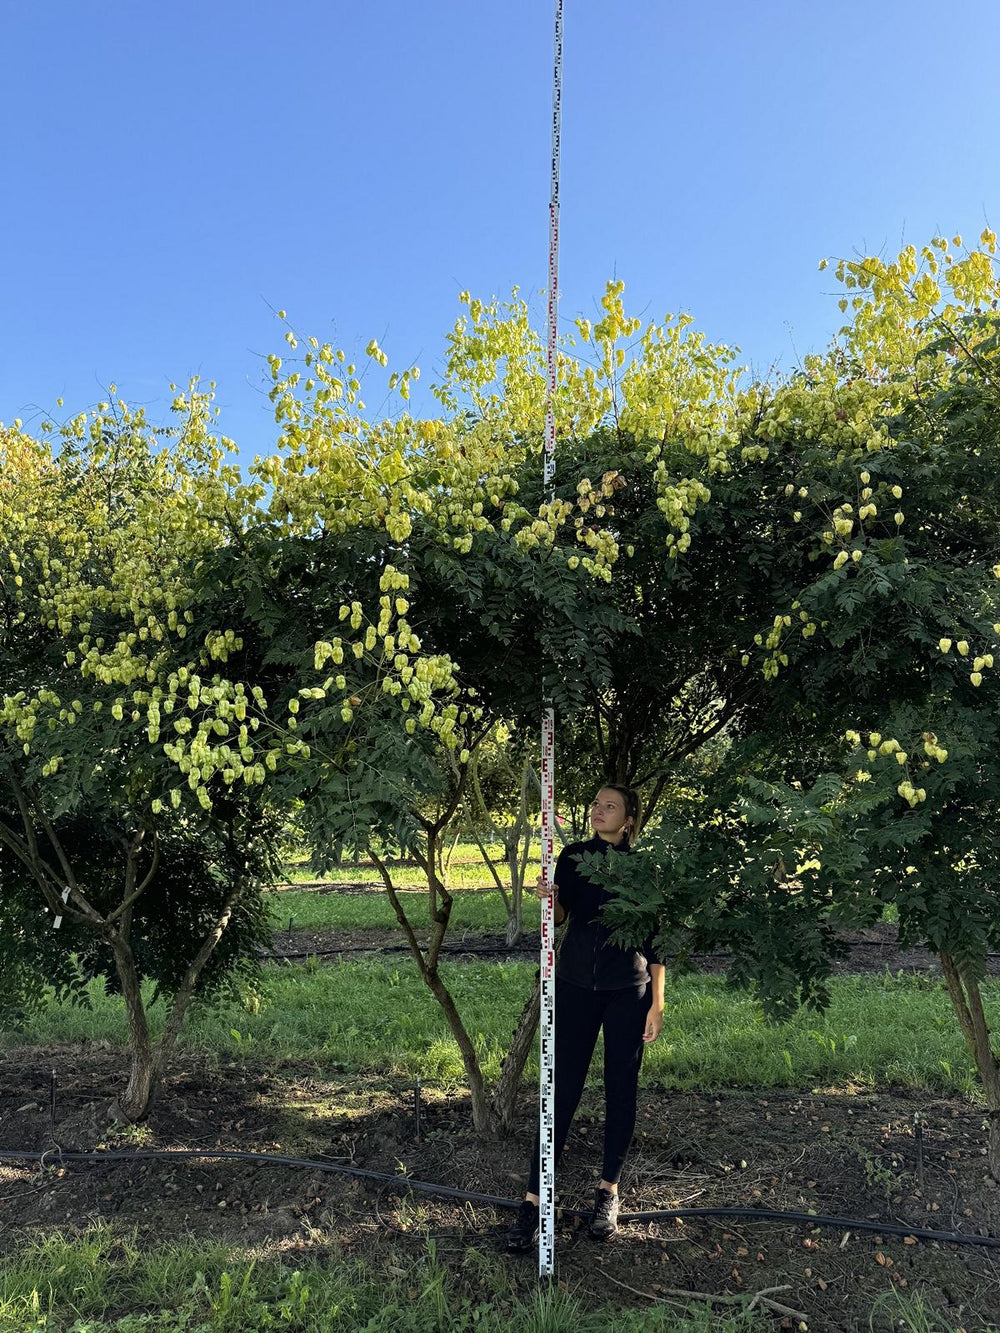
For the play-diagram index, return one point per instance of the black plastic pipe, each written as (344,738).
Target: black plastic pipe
(448,1192)
(492,950)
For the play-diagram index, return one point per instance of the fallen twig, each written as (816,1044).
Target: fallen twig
(715,1299)
(650,1296)
(763,1296)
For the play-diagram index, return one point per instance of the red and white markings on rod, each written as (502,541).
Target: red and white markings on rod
(547,1017)
(547,1023)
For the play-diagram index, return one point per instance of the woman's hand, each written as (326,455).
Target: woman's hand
(543,891)
(550,891)
(654,1024)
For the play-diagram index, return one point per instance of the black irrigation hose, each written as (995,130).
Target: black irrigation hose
(493,950)
(886,944)
(428,1187)
(489,950)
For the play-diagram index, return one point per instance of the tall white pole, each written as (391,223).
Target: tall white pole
(547,1018)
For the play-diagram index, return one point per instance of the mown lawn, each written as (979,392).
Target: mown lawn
(374,1015)
(480,912)
(465,869)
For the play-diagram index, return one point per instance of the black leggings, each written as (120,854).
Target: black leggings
(580,1015)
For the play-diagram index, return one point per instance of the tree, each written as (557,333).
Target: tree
(386,748)
(661,413)
(432,537)
(98,541)
(870,776)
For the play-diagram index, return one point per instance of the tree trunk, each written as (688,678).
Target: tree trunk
(134,1102)
(147,1062)
(967,1002)
(483,1117)
(518,850)
(515,907)
(507,1086)
(426,960)
(146,1058)
(450,853)
(431,872)
(186,990)
(515,926)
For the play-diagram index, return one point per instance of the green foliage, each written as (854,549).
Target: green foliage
(866,774)
(733,872)
(773,606)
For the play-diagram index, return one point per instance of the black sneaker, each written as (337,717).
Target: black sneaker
(604,1223)
(521,1237)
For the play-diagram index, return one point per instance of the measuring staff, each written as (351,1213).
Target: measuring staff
(599,986)
(546,957)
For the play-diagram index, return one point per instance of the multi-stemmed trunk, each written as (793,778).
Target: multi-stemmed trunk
(37,845)
(427,961)
(148,1059)
(492,1109)
(516,839)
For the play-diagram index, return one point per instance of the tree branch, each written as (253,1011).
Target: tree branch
(136,893)
(401,916)
(76,893)
(185,992)
(491,867)
(953,981)
(40,867)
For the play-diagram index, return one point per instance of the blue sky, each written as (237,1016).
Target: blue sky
(177,172)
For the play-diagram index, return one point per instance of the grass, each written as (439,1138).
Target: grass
(893,1029)
(373,1016)
(912,1314)
(107,1282)
(466,870)
(480,912)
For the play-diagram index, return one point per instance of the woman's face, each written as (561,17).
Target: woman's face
(607,813)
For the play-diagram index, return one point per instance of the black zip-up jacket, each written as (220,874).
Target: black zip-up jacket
(587,958)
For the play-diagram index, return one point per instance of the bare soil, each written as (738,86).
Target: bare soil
(872,949)
(842,1152)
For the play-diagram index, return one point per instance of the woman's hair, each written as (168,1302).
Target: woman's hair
(631,798)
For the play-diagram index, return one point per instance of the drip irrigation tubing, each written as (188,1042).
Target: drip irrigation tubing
(484,949)
(493,950)
(53,1155)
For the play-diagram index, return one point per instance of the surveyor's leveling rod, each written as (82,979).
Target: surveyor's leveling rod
(547,1017)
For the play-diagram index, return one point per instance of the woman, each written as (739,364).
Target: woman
(598,985)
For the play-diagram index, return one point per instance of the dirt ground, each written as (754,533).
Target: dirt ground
(842,1152)
(872,949)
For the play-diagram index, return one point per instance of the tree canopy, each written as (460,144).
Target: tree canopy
(772,605)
